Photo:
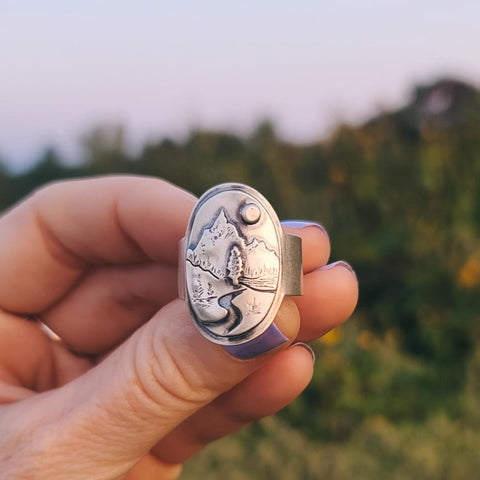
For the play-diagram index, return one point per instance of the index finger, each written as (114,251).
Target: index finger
(53,237)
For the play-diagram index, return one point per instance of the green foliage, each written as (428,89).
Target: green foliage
(396,391)
(442,447)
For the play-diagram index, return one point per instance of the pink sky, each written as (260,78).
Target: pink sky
(163,70)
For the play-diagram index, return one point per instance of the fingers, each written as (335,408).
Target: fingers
(118,411)
(50,239)
(13,393)
(151,467)
(263,393)
(25,354)
(30,362)
(315,243)
(110,303)
(330,291)
(330,297)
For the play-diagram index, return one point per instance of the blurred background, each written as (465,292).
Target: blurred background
(364,116)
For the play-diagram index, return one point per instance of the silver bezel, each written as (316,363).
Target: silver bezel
(228,197)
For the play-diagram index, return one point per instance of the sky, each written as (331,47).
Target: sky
(163,68)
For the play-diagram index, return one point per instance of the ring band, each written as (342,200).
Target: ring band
(236,264)
(47,331)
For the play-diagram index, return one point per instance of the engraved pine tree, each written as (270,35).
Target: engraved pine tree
(198,289)
(235,265)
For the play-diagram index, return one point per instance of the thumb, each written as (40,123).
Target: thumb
(109,418)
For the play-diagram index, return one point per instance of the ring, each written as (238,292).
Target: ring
(236,264)
(44,328)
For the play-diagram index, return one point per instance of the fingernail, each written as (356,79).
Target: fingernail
(308,348)
(304,224)
(340,263)
(268,340)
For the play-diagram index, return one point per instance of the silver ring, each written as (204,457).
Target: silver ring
(236,264)
(44,328)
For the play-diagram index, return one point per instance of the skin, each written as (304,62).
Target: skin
(134,390)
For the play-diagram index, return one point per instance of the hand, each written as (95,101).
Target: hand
(133,390)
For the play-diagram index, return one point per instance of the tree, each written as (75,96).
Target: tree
(235,265)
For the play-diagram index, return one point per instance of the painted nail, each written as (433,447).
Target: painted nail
(340,263)
(308,348)
(304,224)
(268,340)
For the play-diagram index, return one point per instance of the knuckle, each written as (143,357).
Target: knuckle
(164,380)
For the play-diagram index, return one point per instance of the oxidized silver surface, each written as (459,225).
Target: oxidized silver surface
(238,264)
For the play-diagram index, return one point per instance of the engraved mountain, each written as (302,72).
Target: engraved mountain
(215,242)
(261,266)
(224,253)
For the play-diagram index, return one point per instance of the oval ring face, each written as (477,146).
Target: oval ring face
(233,264)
